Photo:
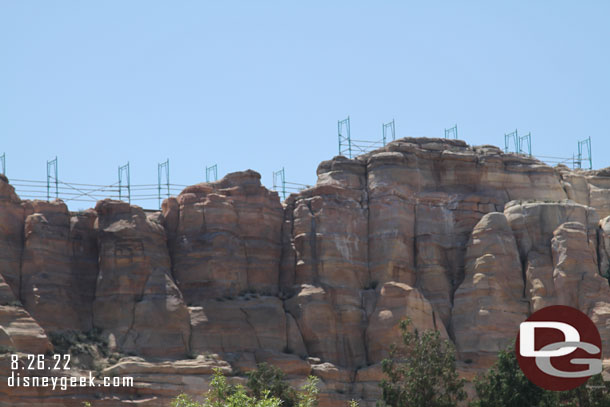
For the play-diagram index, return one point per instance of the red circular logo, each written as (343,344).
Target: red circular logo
(559,348)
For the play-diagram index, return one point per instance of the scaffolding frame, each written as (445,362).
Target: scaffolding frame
(163,168)
(124,175)
(349,147)
(3,160)
(507,137)
(343,139)
(211,171)
(279,180)
(452,132)
(52,178)
(388,126)
(586,143)
(282,186)
(528,140)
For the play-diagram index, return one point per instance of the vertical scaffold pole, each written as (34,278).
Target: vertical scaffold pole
(344,138)
(3,159)
(211,173)
(52,178)
(451,132)
(124,176)
(279,179)
(392,129)
(163,168)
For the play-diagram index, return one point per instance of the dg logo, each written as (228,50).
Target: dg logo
(559,348)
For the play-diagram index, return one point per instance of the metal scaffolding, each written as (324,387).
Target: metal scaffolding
(52,178)
(507,137)
(211,173)
(519,143)
(124,181)
(279,180)
(344,137)
(392,131)
(349,147)
(584,146)
(451,132)
(282,186)
(527,140)
(163,168)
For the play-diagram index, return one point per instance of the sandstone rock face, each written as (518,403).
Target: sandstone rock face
(397,301)
(11,235)
(18,330)
(137,302)
(59,266)
(465,240)
(490,304)
(534,225)
(225,238)
(242,325)
(558,244)
(329,235)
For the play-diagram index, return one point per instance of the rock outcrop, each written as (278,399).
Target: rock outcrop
(225,238)
(489,305)
(465,240)
(137,302)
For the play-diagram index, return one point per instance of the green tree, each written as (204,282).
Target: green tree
(505,385)
(308,396)
(595,393)
(223,394)
(421,372)
(270,378)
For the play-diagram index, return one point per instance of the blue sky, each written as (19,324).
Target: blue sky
(262,84)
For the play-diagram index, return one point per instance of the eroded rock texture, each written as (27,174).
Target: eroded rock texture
(137,302)
(225,238)
(465,240)
(489,305)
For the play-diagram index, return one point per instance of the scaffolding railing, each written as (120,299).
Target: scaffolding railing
(350,147)
(211,173)
(55,188)
(388,129)
(527,141)
(452,132)
(507,138)
(279,181)
(520,143)
(163,168)
(77,192)
(124,182)
(523,145)
(52,178)
(282,186)
(585,146)
(345,139)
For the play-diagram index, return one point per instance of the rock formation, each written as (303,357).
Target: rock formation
(465,240)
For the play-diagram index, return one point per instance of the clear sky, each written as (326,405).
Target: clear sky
(261,84)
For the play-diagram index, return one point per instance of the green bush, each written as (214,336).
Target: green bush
(223,394)
(421,372)
(270,378)
(505,385)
